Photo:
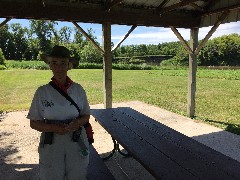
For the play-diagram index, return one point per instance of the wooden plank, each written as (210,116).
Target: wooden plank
(97,169)
(210,162)
(198,159)
(159,165)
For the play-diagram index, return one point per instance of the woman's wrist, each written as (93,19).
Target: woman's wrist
(78,121)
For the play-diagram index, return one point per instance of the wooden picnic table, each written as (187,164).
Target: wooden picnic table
(164,152)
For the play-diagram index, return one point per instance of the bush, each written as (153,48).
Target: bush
(136,61)
(2,67)
(2,58)
(27,64)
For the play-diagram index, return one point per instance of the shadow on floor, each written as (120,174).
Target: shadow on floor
(10,171)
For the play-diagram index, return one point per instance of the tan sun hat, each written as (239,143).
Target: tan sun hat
(59,52)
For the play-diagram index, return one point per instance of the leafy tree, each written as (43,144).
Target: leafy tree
(90,54)
(44,31)
(153,49)
(6,41)
(65,35)
(142,50)
(75,50)
(19,41)
(78,37)
(224,50)
(170,48)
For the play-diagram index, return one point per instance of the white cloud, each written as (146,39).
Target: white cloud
(159,35)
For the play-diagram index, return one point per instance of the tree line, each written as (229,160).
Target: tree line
(21,43)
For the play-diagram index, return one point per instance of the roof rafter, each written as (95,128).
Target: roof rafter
(177,5)
(112,3)
(196,6)
(210,4)
(163,4)
(229,8)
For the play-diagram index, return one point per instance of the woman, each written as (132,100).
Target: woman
(63,148)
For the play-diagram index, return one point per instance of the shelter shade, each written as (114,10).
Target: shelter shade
(159,13)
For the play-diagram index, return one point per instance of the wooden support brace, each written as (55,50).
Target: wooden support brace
(182,40)
(5,22)
(125,37)
(88,37)
(213,29)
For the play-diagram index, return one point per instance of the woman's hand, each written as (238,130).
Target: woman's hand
(73,126)
(59,129)
(44,127)
(77,123)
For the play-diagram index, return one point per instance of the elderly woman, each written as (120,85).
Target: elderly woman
(63,148)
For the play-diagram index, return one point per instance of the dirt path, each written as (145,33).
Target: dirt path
(18,143)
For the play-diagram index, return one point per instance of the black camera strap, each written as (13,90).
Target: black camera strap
(65,95)
(87,125)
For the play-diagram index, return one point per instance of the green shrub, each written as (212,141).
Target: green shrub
(2,67)
(136,61)
(89,66)
(2,58)
(26,64)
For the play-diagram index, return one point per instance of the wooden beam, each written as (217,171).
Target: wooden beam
(91,13)
(213,29)
(175,6)
(125,37)
(196,7)
(185,44)
(112,3)
(210,4)
(221,10)
(192,73)
(162,5)
(5,22)
(88,37)
(107,65)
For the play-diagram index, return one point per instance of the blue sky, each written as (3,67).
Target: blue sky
(144,35)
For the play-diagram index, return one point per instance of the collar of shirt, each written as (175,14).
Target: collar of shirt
(65,86)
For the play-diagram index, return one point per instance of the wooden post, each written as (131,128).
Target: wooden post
(192,73)
(107,65)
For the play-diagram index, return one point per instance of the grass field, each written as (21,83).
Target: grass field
(217,93)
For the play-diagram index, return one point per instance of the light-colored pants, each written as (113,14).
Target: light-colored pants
(63,159)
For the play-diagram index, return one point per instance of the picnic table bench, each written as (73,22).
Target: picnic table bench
(97,170)
(164,152)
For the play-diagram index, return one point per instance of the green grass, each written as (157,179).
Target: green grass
(217,93)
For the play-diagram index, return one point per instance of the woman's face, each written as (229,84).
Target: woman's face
(59,67)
